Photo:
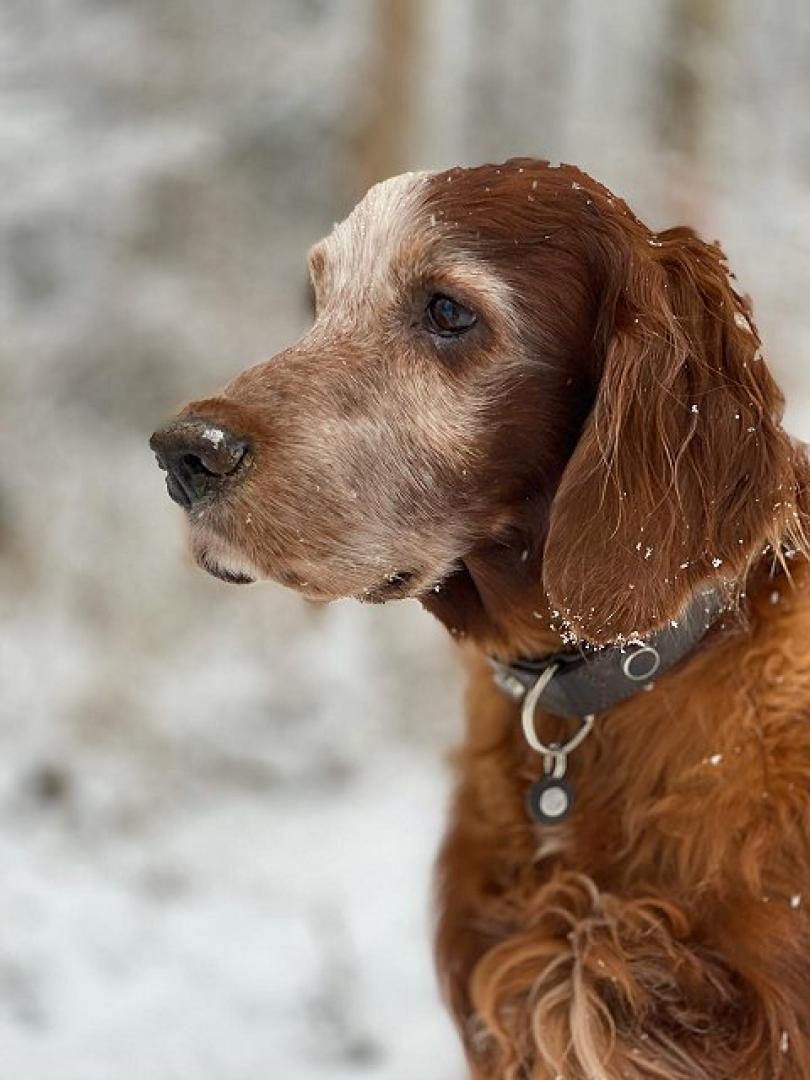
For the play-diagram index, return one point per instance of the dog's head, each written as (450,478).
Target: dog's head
(504,359)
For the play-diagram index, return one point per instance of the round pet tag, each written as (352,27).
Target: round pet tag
(550,800)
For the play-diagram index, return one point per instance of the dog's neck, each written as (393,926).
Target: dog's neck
(496,601)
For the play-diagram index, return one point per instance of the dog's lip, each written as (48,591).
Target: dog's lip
(230,577)
(218,560)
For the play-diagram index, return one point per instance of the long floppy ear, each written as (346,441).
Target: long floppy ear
(682,474)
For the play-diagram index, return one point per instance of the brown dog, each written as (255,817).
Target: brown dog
(556,429)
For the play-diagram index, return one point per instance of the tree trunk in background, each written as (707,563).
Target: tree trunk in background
(383,139)
(688,80)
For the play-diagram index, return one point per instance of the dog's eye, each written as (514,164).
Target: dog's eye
(446,317)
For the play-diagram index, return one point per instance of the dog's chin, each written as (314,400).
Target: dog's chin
(396,586)
(405,585)
(226,563)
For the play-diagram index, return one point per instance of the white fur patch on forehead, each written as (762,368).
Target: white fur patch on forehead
(360,254)
(361,247)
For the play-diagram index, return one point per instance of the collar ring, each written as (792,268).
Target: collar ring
(555,751)
(641,664)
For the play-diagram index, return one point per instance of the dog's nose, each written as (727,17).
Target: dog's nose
(198,456)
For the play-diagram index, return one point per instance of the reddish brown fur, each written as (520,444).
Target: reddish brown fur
(604,442)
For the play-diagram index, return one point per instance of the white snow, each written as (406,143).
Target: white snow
(244,931)
(213,435)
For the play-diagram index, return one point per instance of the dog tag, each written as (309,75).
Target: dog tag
(550,800)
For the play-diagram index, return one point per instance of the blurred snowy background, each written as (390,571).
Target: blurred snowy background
(218,807)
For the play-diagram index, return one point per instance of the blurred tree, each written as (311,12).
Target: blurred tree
(384,134)
(695,29)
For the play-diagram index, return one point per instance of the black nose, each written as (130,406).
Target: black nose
(198,456)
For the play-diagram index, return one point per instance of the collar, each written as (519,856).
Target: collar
(582,684)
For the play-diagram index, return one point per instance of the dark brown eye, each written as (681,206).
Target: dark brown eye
(446,317)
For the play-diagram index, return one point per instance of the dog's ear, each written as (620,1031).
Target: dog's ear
(682,474)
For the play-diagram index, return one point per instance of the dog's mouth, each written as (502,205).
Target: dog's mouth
(222,560)
(227,566)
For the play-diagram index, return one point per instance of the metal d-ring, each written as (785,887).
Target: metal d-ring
(556,751)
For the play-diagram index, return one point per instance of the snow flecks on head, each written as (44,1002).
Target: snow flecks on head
(796,901)
(715,759)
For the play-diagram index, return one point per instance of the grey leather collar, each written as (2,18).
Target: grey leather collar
(585,684)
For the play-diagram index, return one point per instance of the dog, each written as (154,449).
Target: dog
(557,431)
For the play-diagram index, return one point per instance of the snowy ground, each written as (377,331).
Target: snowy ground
(244,936)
